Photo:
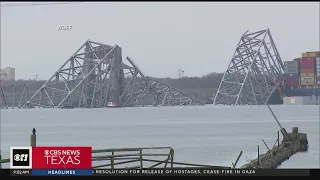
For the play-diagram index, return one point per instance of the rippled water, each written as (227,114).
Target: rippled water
(200,134)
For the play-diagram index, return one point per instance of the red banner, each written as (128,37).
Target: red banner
(61,157)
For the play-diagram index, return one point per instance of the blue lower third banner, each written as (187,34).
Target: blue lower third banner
(61,172)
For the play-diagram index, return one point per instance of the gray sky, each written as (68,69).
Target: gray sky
(160,37)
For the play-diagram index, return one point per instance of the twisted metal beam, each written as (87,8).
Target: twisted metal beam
(254,73)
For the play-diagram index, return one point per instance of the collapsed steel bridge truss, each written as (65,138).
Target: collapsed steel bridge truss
(254,72)
(96,75)
(13,96)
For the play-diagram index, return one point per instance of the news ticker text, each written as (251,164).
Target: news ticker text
(160,172)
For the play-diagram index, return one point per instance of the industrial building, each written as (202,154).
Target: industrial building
(302,79)
(7,74)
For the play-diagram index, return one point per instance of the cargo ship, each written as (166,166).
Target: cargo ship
(302,79)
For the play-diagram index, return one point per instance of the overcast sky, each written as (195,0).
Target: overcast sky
(161,37)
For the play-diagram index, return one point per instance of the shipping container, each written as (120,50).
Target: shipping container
(307,83)
(292,81)
(295,75)
(318,61)
(318,78)
(307,66)
(307,79)
(307,74)
(310,54)
(291,70)
(290,62)
(307,61)
(307,70)
(297,59)
(291,65)
(314,52)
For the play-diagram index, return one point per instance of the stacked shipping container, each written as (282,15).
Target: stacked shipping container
(318,70)
(291,73)
(308,69)
(303,71)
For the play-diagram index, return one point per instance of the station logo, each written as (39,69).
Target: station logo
(62,157)
(20,157)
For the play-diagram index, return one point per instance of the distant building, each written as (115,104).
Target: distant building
(8,74)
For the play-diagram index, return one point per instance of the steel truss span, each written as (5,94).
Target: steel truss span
(254,73)
(96,75)
(13,96)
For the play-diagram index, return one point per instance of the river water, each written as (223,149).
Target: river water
(199,134)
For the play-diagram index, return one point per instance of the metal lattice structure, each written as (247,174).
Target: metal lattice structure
(4,102)
(254,73)
(96,75)
(13,96)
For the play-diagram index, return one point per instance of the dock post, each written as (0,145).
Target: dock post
(33,138)
(0,159)
(112,160)
(172,155)
(278,141)
(258,163)
(141,160)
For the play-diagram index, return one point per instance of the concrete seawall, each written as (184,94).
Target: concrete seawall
(274,157)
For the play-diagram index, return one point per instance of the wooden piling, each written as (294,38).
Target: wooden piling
(112,160)
(172,155)
(0,159)
(258,162)
(141,160)
(278,141)
(33,138)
